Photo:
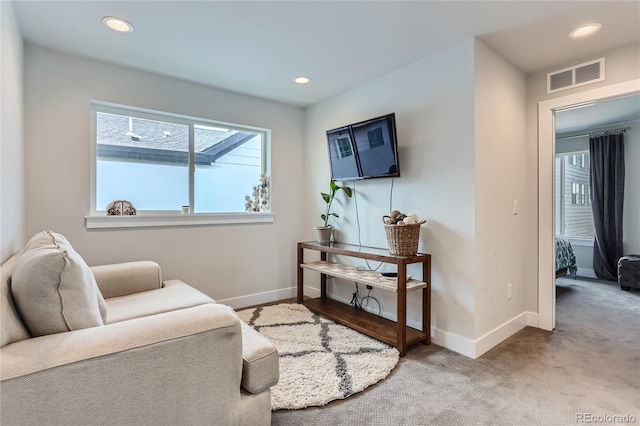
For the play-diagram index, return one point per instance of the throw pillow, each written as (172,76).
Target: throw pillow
(54,289)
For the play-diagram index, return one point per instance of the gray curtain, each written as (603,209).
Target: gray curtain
(607,199)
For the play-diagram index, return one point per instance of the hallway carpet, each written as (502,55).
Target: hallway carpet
(588,366)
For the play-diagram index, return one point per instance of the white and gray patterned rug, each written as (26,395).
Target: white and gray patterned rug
(320,360)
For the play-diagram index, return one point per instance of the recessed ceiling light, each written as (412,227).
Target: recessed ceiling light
(585,30)
(117,24)
(302,80)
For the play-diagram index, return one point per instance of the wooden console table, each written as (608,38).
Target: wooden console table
(393,333)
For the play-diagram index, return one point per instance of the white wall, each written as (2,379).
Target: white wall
(622,64)
(501,178)
(462,147)
(433,102)
(223,261)
(12,222)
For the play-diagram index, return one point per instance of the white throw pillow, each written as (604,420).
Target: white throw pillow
(54,289)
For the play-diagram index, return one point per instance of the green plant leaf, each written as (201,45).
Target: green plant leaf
(347,191)
(323,217)
(325,197)
(334,186)
(334,214)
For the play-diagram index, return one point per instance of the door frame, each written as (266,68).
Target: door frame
(546,187)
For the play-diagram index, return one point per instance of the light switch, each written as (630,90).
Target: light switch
(515,206)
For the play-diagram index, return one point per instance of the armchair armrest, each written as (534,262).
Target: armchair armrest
(178,365)
(54,350)
(121,279)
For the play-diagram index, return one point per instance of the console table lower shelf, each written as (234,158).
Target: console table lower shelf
(363,321)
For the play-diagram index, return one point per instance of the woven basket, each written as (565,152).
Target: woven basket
(402,239)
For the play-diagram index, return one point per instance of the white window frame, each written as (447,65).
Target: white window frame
(339,148)
(369,137)
(585,242)
(97,219)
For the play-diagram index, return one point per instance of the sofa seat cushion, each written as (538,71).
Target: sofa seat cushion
(173,296)
(260,362)
(53,288)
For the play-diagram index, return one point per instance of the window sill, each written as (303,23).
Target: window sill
(174,220)
(581,242)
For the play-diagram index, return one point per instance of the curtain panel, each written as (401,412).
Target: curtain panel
(607,200)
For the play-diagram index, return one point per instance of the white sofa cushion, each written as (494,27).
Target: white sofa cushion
(173,296)
(54,289)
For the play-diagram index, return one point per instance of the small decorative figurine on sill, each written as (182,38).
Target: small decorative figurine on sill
(121,208)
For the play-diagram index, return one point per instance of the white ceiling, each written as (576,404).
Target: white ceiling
(257,48)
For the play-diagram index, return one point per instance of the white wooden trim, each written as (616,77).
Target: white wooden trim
(499,334)
(546,187)
(453,342)
(586,273)
(196,219)
(581,242)
(546,223)
(259,298)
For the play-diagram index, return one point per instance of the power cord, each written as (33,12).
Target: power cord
(358,303)
(391,196)
(355,199)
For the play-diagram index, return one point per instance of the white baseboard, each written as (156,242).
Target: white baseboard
(586,273)
(267,297)
(451,341)
(500,333)
(259,298)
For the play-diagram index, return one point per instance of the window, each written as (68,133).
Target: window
(580,194)
(161,162)
(344,146)
(375,137)
(574,218)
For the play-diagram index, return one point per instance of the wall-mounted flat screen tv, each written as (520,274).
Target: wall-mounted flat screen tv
(364,150)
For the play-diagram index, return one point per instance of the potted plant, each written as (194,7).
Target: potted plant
(324,232)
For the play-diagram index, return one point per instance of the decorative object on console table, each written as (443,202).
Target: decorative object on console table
(403,233)
(324,232)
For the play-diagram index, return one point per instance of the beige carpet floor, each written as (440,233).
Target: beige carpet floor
(589,365)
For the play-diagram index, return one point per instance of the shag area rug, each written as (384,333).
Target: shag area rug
(320,360)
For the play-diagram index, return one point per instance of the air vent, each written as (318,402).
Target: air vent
(576,76)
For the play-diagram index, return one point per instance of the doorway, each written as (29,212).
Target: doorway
(546,187)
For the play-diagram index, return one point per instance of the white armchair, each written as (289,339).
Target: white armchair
(166,354)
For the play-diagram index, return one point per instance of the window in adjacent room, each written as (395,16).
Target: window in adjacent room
(161,162)
(574,218)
